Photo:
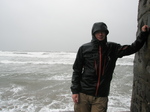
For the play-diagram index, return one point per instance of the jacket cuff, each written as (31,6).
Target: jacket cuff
(75,92)
(144,34)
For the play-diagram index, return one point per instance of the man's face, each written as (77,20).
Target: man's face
(100,35)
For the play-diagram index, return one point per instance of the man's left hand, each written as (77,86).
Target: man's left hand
(145,28)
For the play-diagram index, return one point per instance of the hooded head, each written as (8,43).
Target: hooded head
(99,26)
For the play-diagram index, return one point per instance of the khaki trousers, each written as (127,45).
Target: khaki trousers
(89,103)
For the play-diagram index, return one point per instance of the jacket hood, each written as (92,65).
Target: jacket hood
(99,26)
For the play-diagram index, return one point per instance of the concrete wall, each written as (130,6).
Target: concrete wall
(141,85)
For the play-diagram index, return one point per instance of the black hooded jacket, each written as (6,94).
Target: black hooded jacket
(95,63)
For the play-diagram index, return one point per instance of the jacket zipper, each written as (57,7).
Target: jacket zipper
(99,70)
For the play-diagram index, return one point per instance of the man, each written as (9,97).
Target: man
(94,66)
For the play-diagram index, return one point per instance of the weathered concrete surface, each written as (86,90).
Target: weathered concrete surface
(141,84)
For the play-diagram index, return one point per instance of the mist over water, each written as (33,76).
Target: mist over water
(40,82)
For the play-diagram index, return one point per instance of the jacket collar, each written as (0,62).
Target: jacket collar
(97,42)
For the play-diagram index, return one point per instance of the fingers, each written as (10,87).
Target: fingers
(145,28)
(75,98)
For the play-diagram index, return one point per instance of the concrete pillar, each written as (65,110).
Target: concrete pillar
(141,85)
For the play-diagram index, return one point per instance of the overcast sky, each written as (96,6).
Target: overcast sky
(63,25)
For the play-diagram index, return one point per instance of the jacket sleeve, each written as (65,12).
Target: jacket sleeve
(134,47)
(77,72)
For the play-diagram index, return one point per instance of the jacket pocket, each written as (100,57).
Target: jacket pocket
(90,61)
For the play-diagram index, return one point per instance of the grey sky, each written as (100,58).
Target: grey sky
(63,25)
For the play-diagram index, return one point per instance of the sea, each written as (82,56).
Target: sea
(40,82)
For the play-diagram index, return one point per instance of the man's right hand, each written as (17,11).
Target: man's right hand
(75,98)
